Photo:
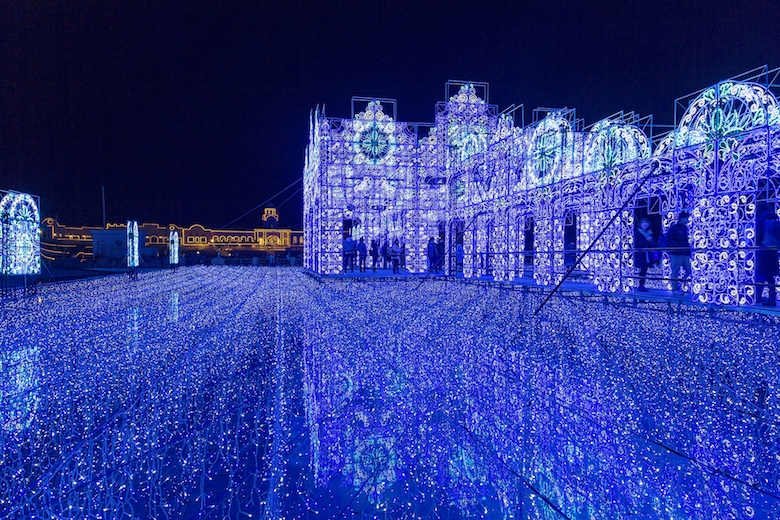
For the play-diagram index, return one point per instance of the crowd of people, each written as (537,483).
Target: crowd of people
(648,252)
(392,255)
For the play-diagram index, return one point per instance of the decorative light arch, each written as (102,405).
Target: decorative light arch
(722,112)
(467,124)
(729,108)
(611,144)
(20,224)
(374,135)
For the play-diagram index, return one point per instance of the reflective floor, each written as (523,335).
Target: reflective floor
(233,392)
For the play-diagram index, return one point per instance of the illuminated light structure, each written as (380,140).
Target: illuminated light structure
(526,201)
(376,178)
(132,243)
(369,175)
(173,251)
(20,244)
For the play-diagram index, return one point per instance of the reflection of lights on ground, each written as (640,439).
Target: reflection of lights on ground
(19,382)
(222,390)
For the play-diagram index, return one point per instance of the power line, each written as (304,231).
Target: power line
(262,204)
(639,186)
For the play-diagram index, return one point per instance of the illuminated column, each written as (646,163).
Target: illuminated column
(585,234)
(606,263)
(173,248)
(723,261)
(415,233)
(468,249)
(625,227)
(544,241)
(501,264)
(480,245)
(515,243)
(132,243)
(333,242)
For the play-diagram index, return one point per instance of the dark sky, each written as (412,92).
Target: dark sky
(194,112)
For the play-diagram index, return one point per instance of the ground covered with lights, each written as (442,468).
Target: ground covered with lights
(231,392)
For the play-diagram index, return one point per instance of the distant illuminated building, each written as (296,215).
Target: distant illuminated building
(270,218)
(85,242)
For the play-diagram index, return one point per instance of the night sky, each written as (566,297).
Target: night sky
(197,113)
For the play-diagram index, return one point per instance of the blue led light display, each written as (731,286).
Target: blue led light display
(173,248)
(132,243)
(20,241)
(524,201)
(237,391)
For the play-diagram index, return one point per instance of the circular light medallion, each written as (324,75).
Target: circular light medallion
(374,143)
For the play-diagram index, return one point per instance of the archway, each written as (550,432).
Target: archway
(20,247)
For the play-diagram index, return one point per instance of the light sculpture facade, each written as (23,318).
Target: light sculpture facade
(525,201)
(132,243)
(20,242)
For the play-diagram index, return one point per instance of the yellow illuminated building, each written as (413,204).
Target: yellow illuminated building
(59,241)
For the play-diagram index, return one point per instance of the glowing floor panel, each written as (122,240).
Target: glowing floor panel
(240,392)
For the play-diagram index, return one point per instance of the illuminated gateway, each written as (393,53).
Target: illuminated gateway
(20,243)
(523,200)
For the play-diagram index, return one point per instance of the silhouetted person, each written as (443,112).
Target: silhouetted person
(679,251)
(362,254)
(395,254)
(374,252)
(643,240)
(350,251)
(768,241)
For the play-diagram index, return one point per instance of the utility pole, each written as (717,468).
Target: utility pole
(104,206)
